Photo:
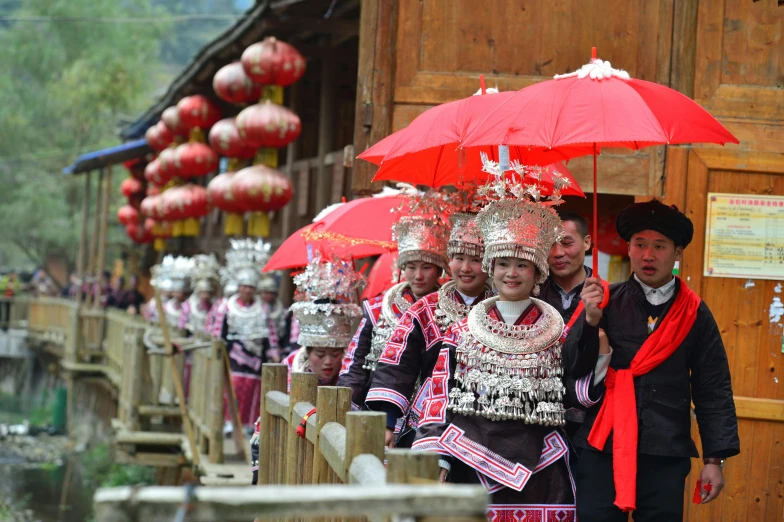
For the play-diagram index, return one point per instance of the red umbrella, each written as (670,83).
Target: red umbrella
(302,245)
(595,107)
(366,218)
(428,152)
(382,276)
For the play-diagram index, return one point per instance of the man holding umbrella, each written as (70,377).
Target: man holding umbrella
(667,353)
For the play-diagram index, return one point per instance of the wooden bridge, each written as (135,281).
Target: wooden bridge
(312,476)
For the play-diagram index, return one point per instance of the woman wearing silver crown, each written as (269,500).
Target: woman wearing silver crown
(204,272)
(506,362)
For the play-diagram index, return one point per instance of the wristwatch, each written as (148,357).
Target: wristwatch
(714,460)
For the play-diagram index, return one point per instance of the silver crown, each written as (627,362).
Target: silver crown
(327,310)
(204,272)
(244,261)
(172,275)
(519,228)
(420,238)
(465,237)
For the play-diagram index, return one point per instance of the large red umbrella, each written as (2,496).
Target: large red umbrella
(428,151)
(299,248)
(382,276)
(594,107)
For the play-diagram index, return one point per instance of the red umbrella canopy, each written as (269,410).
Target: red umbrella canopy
(368,219)
(382,276)
(427,151)
(293,252)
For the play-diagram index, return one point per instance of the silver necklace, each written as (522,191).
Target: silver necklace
(387,322)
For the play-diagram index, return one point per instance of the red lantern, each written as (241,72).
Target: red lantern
(136,168)
(160,231)
(138,233)
(171,120)
(153,174)
(225,139)
(152,207)
(272,62)
(131,186)
(153,190)
(231,84)
(268,125)
(168,166)
(184,205)
(260,190)
(195,159)
(198,111)
(159,136)
(127,214)
(219,195)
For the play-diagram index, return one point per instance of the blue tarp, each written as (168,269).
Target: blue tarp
(101,158)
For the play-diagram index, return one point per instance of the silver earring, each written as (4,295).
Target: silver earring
(536,290)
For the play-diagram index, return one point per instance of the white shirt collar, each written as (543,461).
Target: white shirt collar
(657,296)
(512,310)
(467,299)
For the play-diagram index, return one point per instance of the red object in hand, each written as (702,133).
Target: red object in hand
(272,62)
(697,499)
(304,424)
(233,85)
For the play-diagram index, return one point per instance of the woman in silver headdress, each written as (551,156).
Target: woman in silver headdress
(204,272)
(506,363)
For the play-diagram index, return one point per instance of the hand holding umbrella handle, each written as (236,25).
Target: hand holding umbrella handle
(606,299)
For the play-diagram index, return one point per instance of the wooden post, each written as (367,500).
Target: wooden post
(234,411)
(104,222)
(412,467)
(332,404)
(83,239)
(135,385)
(364,434)
(94,240)
(292,150)
(326,130)
(375,85)
(273,378)
(303,389)
(216,377)
(186,421)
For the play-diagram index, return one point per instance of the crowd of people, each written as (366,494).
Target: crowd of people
(563,396)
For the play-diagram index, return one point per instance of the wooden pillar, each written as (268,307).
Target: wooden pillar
(332,404)
(83,237)
(303,389)
(292,151)
(326,129)
(412,467)
(214,371)
(375,85)
(92,256)
(364,434)
(273,378)
(104,222)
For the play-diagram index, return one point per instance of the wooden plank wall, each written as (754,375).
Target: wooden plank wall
(726,54)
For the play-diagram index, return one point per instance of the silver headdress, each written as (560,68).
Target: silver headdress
(173,274)
(245,260)
(327,310)
(204,272)
(268,284)
(465,237)
(519,228)
(420,238)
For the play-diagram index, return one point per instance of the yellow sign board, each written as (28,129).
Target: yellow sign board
(744,236)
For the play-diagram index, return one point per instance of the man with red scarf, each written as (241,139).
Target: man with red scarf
(667,353)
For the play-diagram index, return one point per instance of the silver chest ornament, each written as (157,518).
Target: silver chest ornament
(387,322)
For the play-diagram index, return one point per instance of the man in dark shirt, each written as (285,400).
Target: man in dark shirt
(667,353)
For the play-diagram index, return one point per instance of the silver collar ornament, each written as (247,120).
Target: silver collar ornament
(246,324)
(510,372)
(449,310)
(387,322)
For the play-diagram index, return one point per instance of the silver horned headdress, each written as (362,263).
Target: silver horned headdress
(519,228)
(244,261)
(465,237)
(421,238)
(204,272)
(327,310)
(172,275)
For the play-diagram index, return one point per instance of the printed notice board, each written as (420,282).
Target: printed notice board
(744,236)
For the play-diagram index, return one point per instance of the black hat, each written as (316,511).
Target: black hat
(655,215)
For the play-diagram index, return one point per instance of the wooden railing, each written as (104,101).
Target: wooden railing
(54,321)
(14,312)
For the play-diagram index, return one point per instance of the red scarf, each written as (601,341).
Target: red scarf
(619,409)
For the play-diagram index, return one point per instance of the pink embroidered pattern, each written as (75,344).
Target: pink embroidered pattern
(429,444)
(387,395)
(531,513)
(435,402)
(582,390)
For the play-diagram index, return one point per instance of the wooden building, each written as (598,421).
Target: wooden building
(728,55)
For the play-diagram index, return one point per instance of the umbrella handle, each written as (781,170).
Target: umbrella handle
(606,290)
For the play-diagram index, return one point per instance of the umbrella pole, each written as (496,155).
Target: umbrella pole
(595,238)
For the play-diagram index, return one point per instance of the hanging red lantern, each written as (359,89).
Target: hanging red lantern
(272,62)
(160,230)
(153,174)
(195,159)
(153,190)
(127,214)
(136,168)
(159,136)
(231,84)
(268,125)
(168,166)
(138,233)
(152,207)
(131,186)
(185,205)
(225,139)
(261,190)
(171,120)
(219,195)
(198,111)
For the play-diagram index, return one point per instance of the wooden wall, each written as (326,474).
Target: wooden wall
(726,54)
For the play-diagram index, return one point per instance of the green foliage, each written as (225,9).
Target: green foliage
(100,471)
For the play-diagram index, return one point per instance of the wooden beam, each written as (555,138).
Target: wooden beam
(760,409)
(684,46)
(93,255)
(104,222)
(326,130)
(375,85)
(83,237)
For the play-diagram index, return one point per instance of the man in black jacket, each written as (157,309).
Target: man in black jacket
(667,352)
